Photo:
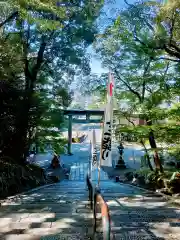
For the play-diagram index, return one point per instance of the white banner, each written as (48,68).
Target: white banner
(93,151)
(106,144)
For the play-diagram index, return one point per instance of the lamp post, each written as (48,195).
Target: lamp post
(121,163)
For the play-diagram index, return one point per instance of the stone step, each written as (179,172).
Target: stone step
(40,208)
(138,233)
(70,184)
(37,205)
(75,215)
(125,236)
(74,236)
(19,237)
(58,228)
(77,236)
(134,214)
(62,190)
(57,193)
(120,227)
(135,236)
(138,220)
(53,200)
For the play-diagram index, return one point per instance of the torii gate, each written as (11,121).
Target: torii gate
(87,114)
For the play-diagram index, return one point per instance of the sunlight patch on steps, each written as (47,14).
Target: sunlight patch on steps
(112,203)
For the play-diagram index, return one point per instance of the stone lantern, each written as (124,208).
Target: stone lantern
(121,163)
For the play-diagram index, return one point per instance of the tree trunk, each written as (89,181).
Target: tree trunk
(148,158)
(37,146)
(153,145)
(16,148)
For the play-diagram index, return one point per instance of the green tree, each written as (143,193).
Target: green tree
(140,78)
(162,21)
(50,45)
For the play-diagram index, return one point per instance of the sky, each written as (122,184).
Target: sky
(111,10)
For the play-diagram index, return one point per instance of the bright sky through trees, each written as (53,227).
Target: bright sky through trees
(111,10)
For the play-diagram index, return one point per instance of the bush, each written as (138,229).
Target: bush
(171,164)
(15,178)
(155,180)
(129,176)
(174,183)
(175,153)
(141,179)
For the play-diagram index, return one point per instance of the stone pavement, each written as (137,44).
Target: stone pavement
(137,214)
(61,211)
(58,211)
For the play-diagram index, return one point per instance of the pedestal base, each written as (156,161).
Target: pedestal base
(121,165)
(70,154)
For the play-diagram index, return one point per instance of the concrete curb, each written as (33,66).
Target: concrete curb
(29,191)
(137,187)
(26,192)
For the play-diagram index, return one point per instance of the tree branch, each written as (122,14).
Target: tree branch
(173,45)
(166,58)
(12,16)
(172,26)
(172,52)
(136,37)
(148,89)
(142,19)
(128,86)
(25,47)
(144,79)
(171,48)
(39,61)
(128,118)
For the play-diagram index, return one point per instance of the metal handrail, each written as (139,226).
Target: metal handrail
(106,226)
(90,189)
(98,201)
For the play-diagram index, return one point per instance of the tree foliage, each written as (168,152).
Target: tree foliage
(42,48)
(141,48)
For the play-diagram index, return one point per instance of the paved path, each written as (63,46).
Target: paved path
(132,152)
(61,211)
(55,212)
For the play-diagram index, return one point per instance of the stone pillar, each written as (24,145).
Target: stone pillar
(70,135)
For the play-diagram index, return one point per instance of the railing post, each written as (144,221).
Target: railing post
(105,222)
(94,198)
(70,135)
(94,210)
(90,189)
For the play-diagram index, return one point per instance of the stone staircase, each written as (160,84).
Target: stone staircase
(139,215)
(61,211)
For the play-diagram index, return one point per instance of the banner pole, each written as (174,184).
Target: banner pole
(99,176)
(90,160)
(100,157)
